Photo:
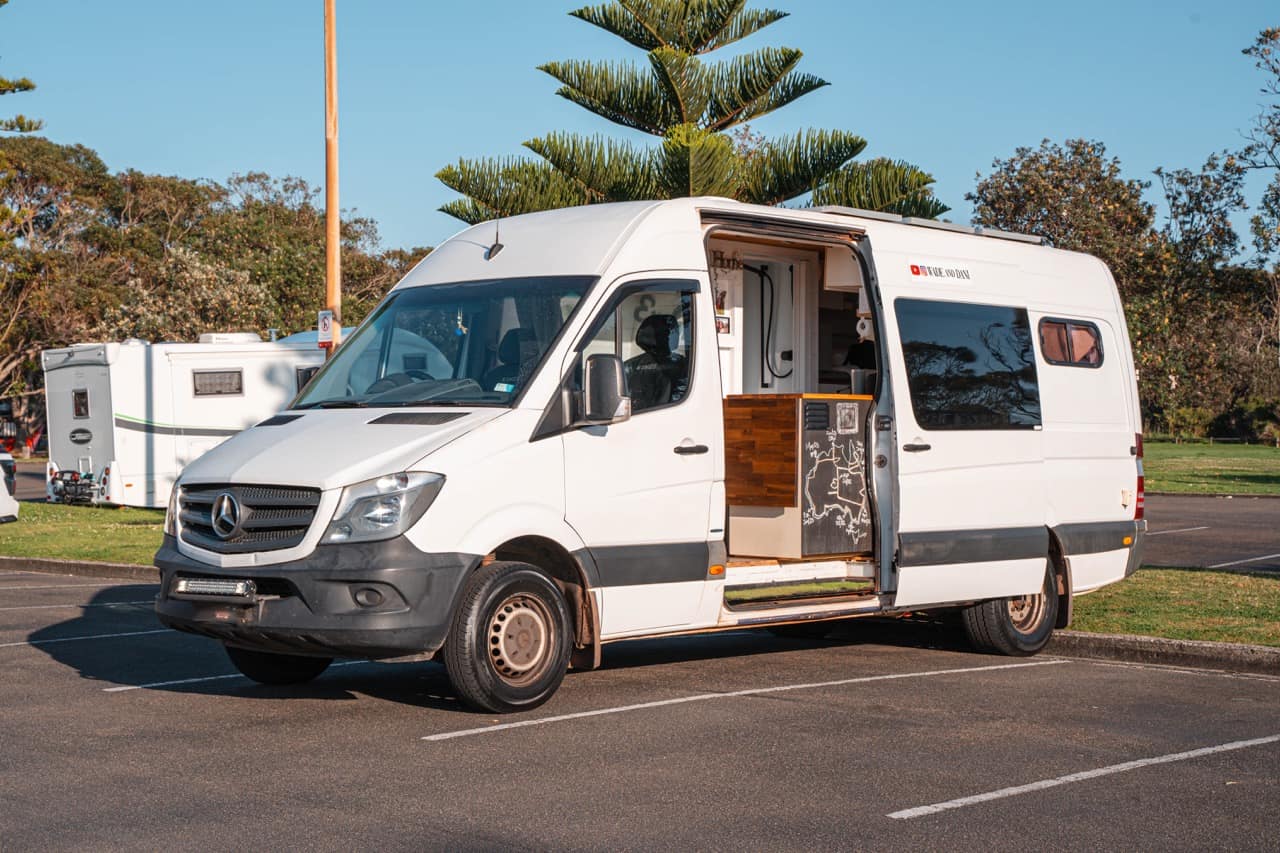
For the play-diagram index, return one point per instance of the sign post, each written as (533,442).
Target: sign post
(332,213)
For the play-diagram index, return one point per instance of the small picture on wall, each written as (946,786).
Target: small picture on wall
(722,324)
(846,418)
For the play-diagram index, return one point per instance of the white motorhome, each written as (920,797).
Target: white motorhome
(672,417)
(125,418)
(8,488)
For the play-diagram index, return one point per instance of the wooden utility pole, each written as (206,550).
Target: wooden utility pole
(332,213)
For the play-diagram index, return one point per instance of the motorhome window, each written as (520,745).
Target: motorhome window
(652,332)
(304,375)
(80,404)
(218,383)
(969,366)
(1074,343)
(473,343)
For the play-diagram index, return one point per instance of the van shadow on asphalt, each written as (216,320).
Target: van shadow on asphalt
(161,662)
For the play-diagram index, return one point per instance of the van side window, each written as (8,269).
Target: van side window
(1071,342)
(652,332)
(79,404)
(969,366)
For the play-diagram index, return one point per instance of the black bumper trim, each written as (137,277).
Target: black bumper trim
(319,615)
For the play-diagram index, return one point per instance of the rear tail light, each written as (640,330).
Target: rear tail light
(1140,505)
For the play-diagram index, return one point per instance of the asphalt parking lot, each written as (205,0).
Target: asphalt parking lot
(119,734)
(1230,534)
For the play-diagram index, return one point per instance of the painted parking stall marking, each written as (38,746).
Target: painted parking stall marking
(88,637)
(935,808)
(123,688)
(754,691)
(1250,560)
(72,606)
(1177,530)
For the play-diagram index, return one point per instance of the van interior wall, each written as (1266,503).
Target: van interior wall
(787,318)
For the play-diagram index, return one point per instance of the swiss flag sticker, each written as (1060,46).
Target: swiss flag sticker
(915,270)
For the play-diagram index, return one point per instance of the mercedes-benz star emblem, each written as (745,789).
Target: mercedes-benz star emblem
(225,516)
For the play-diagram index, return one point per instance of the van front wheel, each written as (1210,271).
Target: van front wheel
(272,668)
(510,641)
(1018,626)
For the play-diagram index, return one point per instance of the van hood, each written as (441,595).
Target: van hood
(330,448)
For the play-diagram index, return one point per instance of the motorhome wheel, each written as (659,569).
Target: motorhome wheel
(1014,626)
(509,645)
(272,668)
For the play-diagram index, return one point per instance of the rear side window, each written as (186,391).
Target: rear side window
(304,375)
(969,366)
(80,404)
(217,383)
(1071,342)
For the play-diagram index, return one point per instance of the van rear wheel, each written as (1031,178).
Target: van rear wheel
(272,668)
(1017,626)
(510,641)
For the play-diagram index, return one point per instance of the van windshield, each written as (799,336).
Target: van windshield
(475,343)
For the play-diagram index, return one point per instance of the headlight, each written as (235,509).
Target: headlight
(382,508)
(171,514)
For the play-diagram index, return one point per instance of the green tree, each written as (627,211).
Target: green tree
(691,105)
(19,123)
(1074,197)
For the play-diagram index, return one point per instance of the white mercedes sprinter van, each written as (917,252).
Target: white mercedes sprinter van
(647,419)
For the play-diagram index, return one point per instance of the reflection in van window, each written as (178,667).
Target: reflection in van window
(969,366)
(474,343)
(1072,342)
(652,332)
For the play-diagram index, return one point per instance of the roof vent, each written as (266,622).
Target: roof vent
(230,338)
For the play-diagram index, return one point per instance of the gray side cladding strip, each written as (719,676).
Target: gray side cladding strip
(941,547)
(1094,537)
(629,565)
(418,418)
(157,429)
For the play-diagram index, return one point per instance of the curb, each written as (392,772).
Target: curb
(1236,657)
(1232,495)
(118,571)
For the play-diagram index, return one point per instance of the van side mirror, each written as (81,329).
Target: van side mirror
(604,392)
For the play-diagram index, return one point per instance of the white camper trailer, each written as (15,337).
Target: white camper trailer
(125,418)
(667,417)
(8,485)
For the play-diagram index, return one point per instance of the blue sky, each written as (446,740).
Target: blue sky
(203,90)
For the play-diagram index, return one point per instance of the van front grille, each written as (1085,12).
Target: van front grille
(266,518)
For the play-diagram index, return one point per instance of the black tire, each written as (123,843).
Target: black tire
(272,668)
(509,645)
(1018,626)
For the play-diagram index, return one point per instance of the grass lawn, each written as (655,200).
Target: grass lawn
(64,532)
(1186,604)
(1230,469)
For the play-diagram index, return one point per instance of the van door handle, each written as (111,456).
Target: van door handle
(689,449)
(916,448)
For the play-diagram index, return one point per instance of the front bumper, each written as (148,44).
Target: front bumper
(310,606)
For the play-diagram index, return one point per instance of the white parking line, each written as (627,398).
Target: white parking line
(921,811)
(90,637)
(7,574)
(754,691)
(1242,562)
(122,688)
(72,586)
(1179,530)
(68,606)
